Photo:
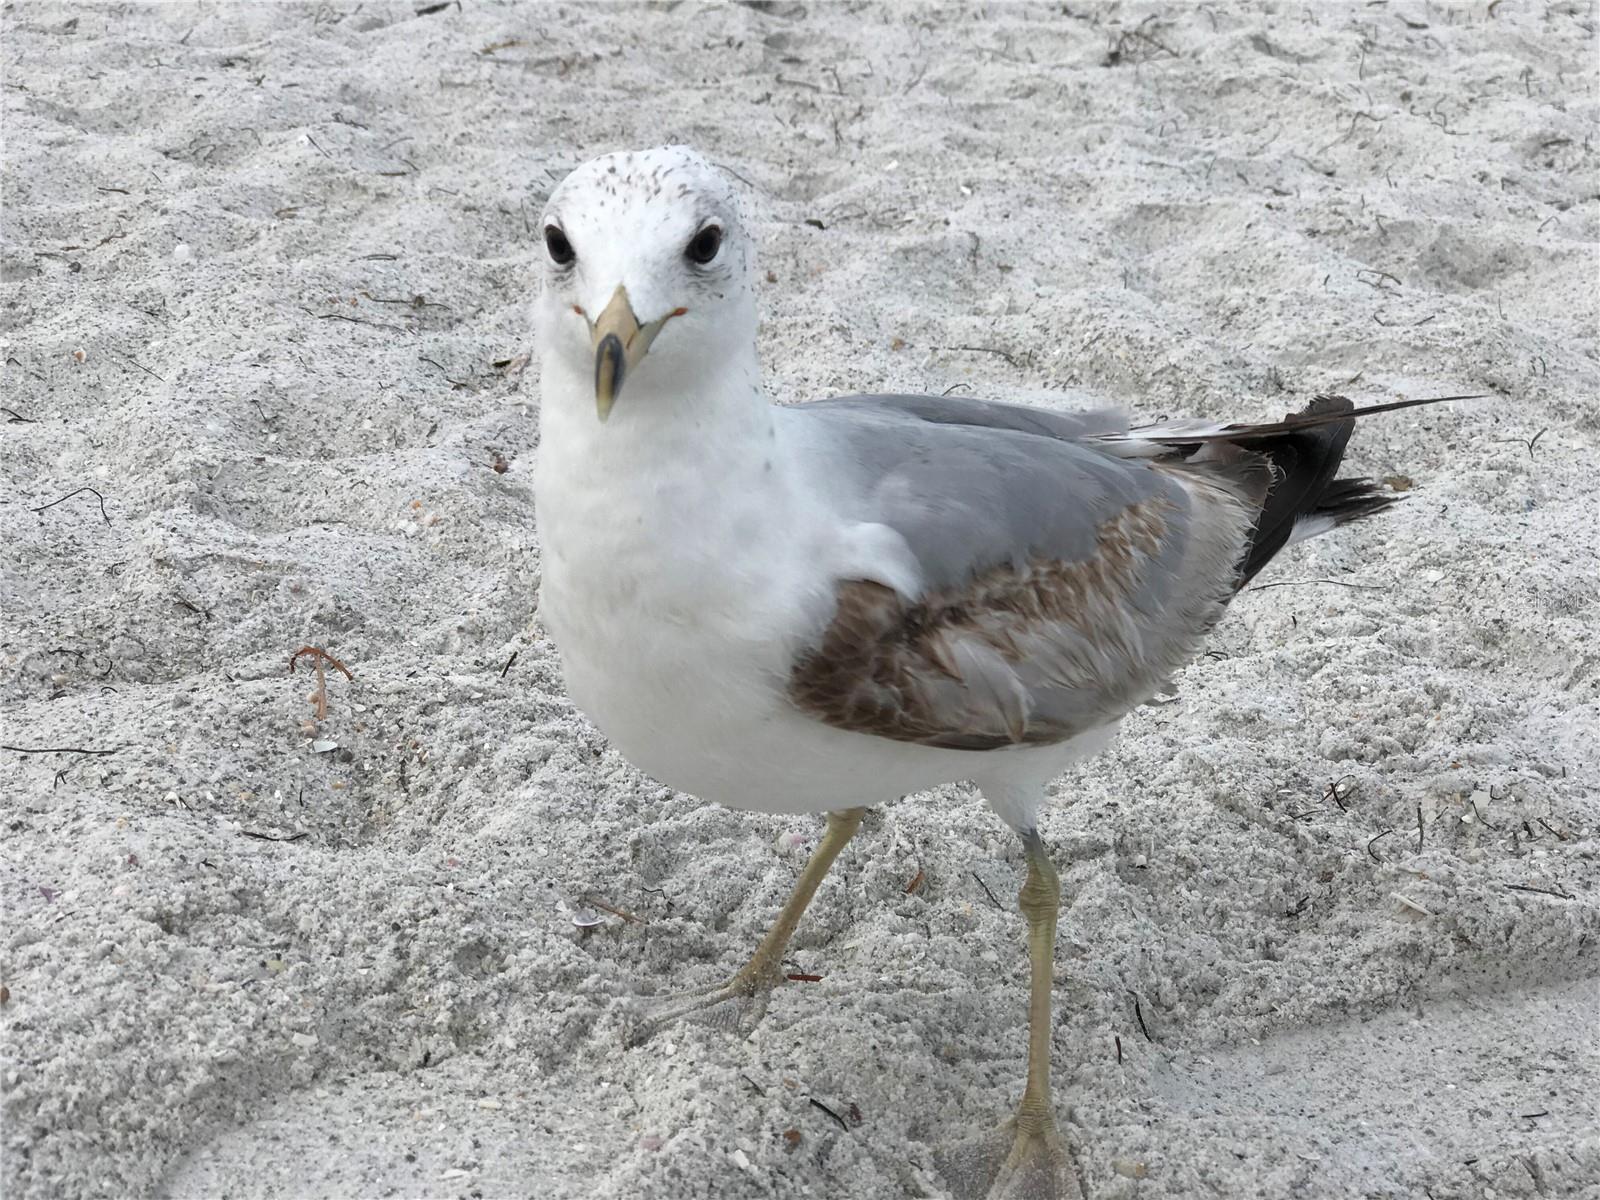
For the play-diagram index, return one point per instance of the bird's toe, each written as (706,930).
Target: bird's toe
(733,1007)
(1011,1163)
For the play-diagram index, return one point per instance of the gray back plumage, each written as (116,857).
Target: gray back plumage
(970,484)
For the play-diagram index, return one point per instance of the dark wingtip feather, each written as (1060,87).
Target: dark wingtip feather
(1347,500)
(1324,410)
(1304,459)
(1300,453)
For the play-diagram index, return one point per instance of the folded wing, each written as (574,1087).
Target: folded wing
(1063,583)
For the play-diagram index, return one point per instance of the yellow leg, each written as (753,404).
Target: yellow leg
(1038,1165)
(753,983)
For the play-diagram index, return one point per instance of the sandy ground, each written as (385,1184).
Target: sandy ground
(263,267)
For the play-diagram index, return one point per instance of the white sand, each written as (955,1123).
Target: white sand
(1202,213)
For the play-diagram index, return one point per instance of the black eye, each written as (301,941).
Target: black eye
(561,252)
(704,245)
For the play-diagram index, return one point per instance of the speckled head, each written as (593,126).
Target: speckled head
(646,251)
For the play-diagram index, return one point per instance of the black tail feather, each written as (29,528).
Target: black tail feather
(1312,416)
(1351,499)
(1304,458)
(1283,468)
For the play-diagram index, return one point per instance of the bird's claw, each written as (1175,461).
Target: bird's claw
(736,1006)
(1015,1163)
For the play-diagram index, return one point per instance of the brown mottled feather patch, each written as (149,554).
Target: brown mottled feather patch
(891,668)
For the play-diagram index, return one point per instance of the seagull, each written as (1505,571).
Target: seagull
(820,607)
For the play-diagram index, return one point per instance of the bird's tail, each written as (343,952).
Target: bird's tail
(1303,497)
(1286,469)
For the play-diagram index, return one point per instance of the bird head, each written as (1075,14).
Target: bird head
(648,275)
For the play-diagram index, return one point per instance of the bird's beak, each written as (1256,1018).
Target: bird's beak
(620,343)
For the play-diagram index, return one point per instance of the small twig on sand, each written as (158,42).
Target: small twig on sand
(319,698)
(140,365)
(1558,892)
(61,775)
(1335,793)
(1372,841)
(354,320)
(1530,443)
(615,912)
(1360,587)
(819,1104)
(73,493)
(272,837)
(1007,355)
(987,892)
(1138,1013)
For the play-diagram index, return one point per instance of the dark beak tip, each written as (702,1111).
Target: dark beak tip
(609,354)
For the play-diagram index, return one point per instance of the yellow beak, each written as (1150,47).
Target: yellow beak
(620,343)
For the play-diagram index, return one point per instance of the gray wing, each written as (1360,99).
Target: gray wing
(984,414)
(1063,584)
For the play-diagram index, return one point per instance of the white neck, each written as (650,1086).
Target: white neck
(704,421)
(660,470)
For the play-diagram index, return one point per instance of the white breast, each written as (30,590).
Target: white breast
(671,589)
